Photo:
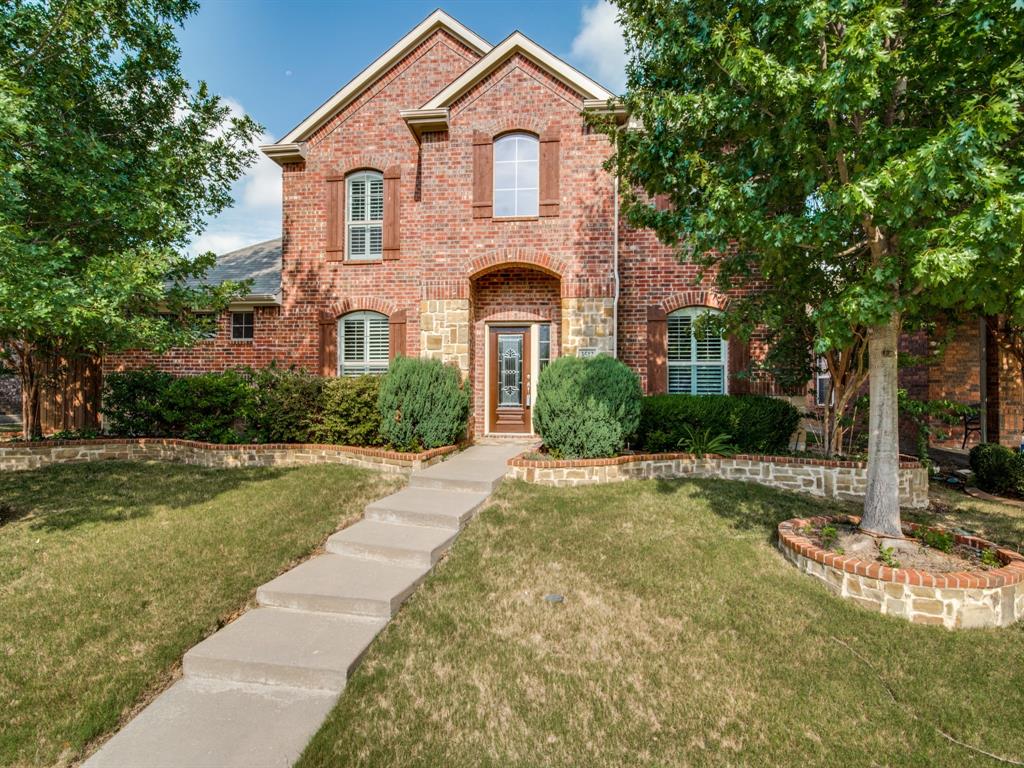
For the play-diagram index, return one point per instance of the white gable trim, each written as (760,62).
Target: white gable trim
(517,42)
(437,20)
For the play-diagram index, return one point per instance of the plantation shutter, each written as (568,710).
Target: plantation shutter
(364,343)
(739,362)
(365,215)
(657,348)
(335,218)
(328,347)
(549,172)
(397,327)
(483,172)
(392,198)
(680,352)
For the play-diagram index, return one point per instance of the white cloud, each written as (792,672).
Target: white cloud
(256,213)
(599,48)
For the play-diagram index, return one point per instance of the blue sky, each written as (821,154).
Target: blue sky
(279,60)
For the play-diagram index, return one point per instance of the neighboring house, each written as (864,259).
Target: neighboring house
(450,202)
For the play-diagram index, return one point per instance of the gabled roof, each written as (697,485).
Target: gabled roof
(435,21)
(260,263)
(519,43)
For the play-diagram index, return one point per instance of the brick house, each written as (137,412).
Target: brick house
(450,202)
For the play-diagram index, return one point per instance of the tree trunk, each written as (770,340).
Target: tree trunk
(882,502)
(31,416)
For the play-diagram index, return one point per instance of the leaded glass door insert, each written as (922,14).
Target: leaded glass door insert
(510,370)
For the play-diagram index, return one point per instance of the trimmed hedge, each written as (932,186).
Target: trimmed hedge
(272,405)
(998,469)
(347,413)
(587,408)
(755,423)
(423,404)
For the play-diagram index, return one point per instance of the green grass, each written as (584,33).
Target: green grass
(109,572)
(684,640)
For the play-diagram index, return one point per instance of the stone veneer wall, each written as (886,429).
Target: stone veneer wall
(993,598)
(445,331)
(588,322)
(845,480)
(24,456)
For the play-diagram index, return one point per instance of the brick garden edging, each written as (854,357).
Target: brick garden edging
(993,598)
(33,455)
(829,479)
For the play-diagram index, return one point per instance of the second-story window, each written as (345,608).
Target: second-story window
(365,215)
(516,175)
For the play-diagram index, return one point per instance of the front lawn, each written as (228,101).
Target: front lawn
(684,639)
(109,572)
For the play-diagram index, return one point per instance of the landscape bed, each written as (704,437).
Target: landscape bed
(843,480)
(37,454)
(968,598)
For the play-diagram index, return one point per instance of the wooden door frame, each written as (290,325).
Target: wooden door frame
(526,328)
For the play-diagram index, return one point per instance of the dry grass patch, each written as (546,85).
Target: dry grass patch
(109,572)
(684,639)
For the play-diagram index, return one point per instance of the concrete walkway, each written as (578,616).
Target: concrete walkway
(254,693)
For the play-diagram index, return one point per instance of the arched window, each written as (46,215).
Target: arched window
(697,357)
(516,186)
(364,343)
(364,214)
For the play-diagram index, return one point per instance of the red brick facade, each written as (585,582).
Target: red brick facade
(449,267)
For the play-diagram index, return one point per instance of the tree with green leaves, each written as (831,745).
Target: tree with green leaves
(110,163)
(872,147)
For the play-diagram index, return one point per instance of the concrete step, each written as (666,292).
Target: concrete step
(467,476)
(275,646)
(423,506)
(343,584)
(212,724)
(397,543)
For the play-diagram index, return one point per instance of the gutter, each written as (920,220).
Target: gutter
(615,273)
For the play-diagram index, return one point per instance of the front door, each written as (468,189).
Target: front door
(509,393)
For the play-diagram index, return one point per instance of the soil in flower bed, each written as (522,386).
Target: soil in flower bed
(848,540)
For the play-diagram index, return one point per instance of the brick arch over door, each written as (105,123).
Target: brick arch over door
(657,341)
(327,347)
(516,257)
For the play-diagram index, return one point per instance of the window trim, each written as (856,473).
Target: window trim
(367,365)
(368,223)
(252,325)
(516,188)
(821,373)
(693,363)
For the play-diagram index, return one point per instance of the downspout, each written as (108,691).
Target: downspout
(983,375)
(615,273)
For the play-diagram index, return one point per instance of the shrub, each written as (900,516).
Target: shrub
(209,407)
(422,404)
(283,405)
(346,412)
(133,402)
(997,469)
(758,424)
(587,408)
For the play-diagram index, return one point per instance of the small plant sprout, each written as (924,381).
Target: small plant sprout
(936,539)
(828,534)
(888,556)
(990,559)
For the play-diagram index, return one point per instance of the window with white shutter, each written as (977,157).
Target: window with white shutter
(697,358)
(363,343)
(364,203)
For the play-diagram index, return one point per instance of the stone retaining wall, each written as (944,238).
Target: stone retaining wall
(22,455)
(845,480)
(992,598)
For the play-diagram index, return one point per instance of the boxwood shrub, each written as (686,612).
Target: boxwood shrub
(587,408)
(997,469)
(284,405)
(210,407)
(755,423)
(346,412)
(422,404)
